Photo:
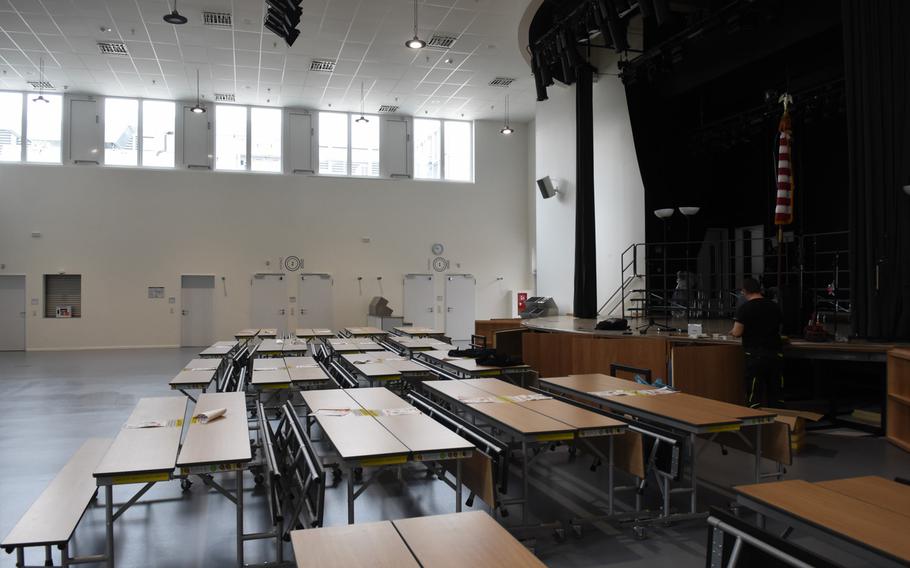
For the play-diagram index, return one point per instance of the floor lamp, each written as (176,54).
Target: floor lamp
(664,216)
(688,213)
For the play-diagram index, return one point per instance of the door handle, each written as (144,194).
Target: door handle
(449,309)
(281,312)
(430,309)
(21,314)
(184,312)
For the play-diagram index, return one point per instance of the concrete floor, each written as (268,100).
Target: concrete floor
(50,402)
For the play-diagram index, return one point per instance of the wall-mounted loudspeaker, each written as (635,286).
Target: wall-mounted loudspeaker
(547,188)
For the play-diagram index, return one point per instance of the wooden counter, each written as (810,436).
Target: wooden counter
(898,413)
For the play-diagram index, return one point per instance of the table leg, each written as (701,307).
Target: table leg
(524,481)
(351,497)
(457,486)
(109,522)
(692,457)
(240,518)
(20,557)
(758,453)
(610,477)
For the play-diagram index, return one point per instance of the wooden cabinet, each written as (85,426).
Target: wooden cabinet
(488,328)
(898,423)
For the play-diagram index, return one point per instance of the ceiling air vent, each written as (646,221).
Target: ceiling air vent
(441,41)
(388,108)
(217,19)
(112,47)
(501,82)
(322,65)
(41,84)
(224,97)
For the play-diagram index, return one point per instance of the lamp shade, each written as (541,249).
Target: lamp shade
(907,189)
(664,213)
(689,211)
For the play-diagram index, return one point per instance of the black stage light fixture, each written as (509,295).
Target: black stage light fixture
(565,61)
(611,25)
(543,62)
(538,78)
(282,19)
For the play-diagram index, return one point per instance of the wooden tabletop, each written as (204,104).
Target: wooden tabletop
(564,412)
(270,346)
(53,515)
(309,332)
(304,369)
(417,331)
(697,412)
(193,377)
(418,432)
(855,520)
(467,364)
(355,331)
(368,545)
(219,348)
(146,450)
(874,490)
(352,344)
(459,540)
(353,435)
(295,345)
(200,364)
(518,418)
(225,439)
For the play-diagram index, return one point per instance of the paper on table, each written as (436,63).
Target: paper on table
(399,411)
(331,412)
(528,397)
(145,424)
(210,415)
(479,400)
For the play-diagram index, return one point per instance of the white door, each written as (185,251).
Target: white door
(12,313)
(419,292)
(269,306)
(314,301)
(459,306)
(197,310)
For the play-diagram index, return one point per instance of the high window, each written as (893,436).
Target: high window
(443,149)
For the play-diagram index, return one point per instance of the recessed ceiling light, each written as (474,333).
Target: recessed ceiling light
(449,60)
(105,29)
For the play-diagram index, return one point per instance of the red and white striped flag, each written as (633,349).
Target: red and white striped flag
(783,210)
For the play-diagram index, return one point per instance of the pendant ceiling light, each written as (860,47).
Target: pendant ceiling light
(362,118)
(415,42)
(175,17)
(198,109)
(506,129)
(40,97)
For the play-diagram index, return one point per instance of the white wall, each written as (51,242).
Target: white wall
(127,229)
(618,189)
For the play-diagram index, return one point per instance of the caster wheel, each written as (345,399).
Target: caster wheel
(576,530)
(259,479)
(286,538)
(559,535)
(639,532)
(185,485)
(573,451)
(358,475)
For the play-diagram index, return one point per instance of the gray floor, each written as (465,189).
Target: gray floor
(51,402)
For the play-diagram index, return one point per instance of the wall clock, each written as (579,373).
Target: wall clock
(292,263)
(440,264)
(438,249)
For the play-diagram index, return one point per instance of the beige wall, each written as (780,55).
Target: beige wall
(127,229)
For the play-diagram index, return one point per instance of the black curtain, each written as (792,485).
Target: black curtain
(585,253)
(877,65)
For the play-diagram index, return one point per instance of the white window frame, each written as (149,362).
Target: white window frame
(246,164)
(64,143)
(350,118)
(249,140)
(22,126)
(141,134)
(442,150)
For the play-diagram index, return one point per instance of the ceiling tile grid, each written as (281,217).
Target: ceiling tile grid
(364,37)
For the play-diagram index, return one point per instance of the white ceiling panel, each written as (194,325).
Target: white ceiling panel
(364,37)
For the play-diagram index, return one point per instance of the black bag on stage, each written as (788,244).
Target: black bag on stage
(613,324)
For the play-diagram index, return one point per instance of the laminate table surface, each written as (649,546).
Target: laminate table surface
(312,332)
(304,369)
(874,490)
(246,333)
(367,545)
(223,440)
(365,331)
(471,539)
(269,332)
(417,331)
(198,371)
(218,349)
(467,364)
(831,511)
(139,450)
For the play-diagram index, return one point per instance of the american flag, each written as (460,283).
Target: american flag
(783,211)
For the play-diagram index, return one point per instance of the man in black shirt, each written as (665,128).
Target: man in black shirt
(758,322)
